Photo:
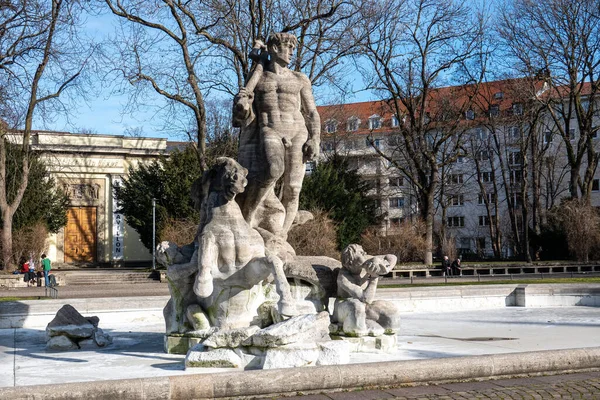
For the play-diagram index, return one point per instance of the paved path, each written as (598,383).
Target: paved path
(570,386)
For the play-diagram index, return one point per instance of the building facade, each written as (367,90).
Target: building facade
(505,151)
(88,167)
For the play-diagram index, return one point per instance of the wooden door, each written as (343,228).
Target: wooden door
(80,235)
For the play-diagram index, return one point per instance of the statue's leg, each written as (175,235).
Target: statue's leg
(351,314)
(385,314)
(264,182)
(292,180)
(260,268)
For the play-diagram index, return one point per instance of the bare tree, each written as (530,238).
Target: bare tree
(559,41)
(184,50)
(38,63)
(413,48)
(512,135)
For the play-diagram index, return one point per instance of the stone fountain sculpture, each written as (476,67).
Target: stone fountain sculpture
(240,297)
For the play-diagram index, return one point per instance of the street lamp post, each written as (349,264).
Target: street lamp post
(153,233)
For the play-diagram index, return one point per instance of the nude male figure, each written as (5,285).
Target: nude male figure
(286,121)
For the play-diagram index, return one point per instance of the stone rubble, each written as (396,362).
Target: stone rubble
(71,330)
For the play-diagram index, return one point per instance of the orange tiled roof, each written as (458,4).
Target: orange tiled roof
(503,94)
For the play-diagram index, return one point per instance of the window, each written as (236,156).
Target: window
(494,110)
(498,95)
(373,184)
(516,176)
(484,220)
(548,137)
(331,126)
(489,198)
(353,123)
(585,104)
(396,181)
(595,185)
(374,122)
(514,158)
(395,222)
(349,144)
(375,143)
(456,200)
(571,134)
(327,146)
(457,222)
(395,122)
(594,133)
(396,202)
(516,200)
(483,155)
(486,177)
(517,109)
(481,134)
(480,244)
(310,167)
(514,132)
(470,114)
(455,178)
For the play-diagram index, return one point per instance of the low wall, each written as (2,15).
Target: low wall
(326,378)
(557,295)
(38,313)
(16,281)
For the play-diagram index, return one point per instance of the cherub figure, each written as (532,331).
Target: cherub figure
(356,311)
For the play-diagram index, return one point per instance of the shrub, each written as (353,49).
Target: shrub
(179,231)
(316,237)
(339,190)
(30,241)
(448,247)
(407,241)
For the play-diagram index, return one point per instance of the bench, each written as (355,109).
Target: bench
(509,269)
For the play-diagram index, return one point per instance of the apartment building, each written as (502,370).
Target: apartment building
(504,151)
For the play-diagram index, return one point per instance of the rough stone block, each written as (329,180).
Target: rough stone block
(300,329)
(290,356)
(333,352)
(60,343)
(231,337)
(199,357)
(102,339)
(68,321)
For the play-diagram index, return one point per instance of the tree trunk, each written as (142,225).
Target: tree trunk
(7,261)
(573,186)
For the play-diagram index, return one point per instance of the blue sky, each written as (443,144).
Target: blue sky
(103,112)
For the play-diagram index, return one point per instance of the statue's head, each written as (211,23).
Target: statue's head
(353,257)
(281,46)
(226,176)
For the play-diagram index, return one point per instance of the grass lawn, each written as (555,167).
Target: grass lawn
(21,298)
(495,282)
